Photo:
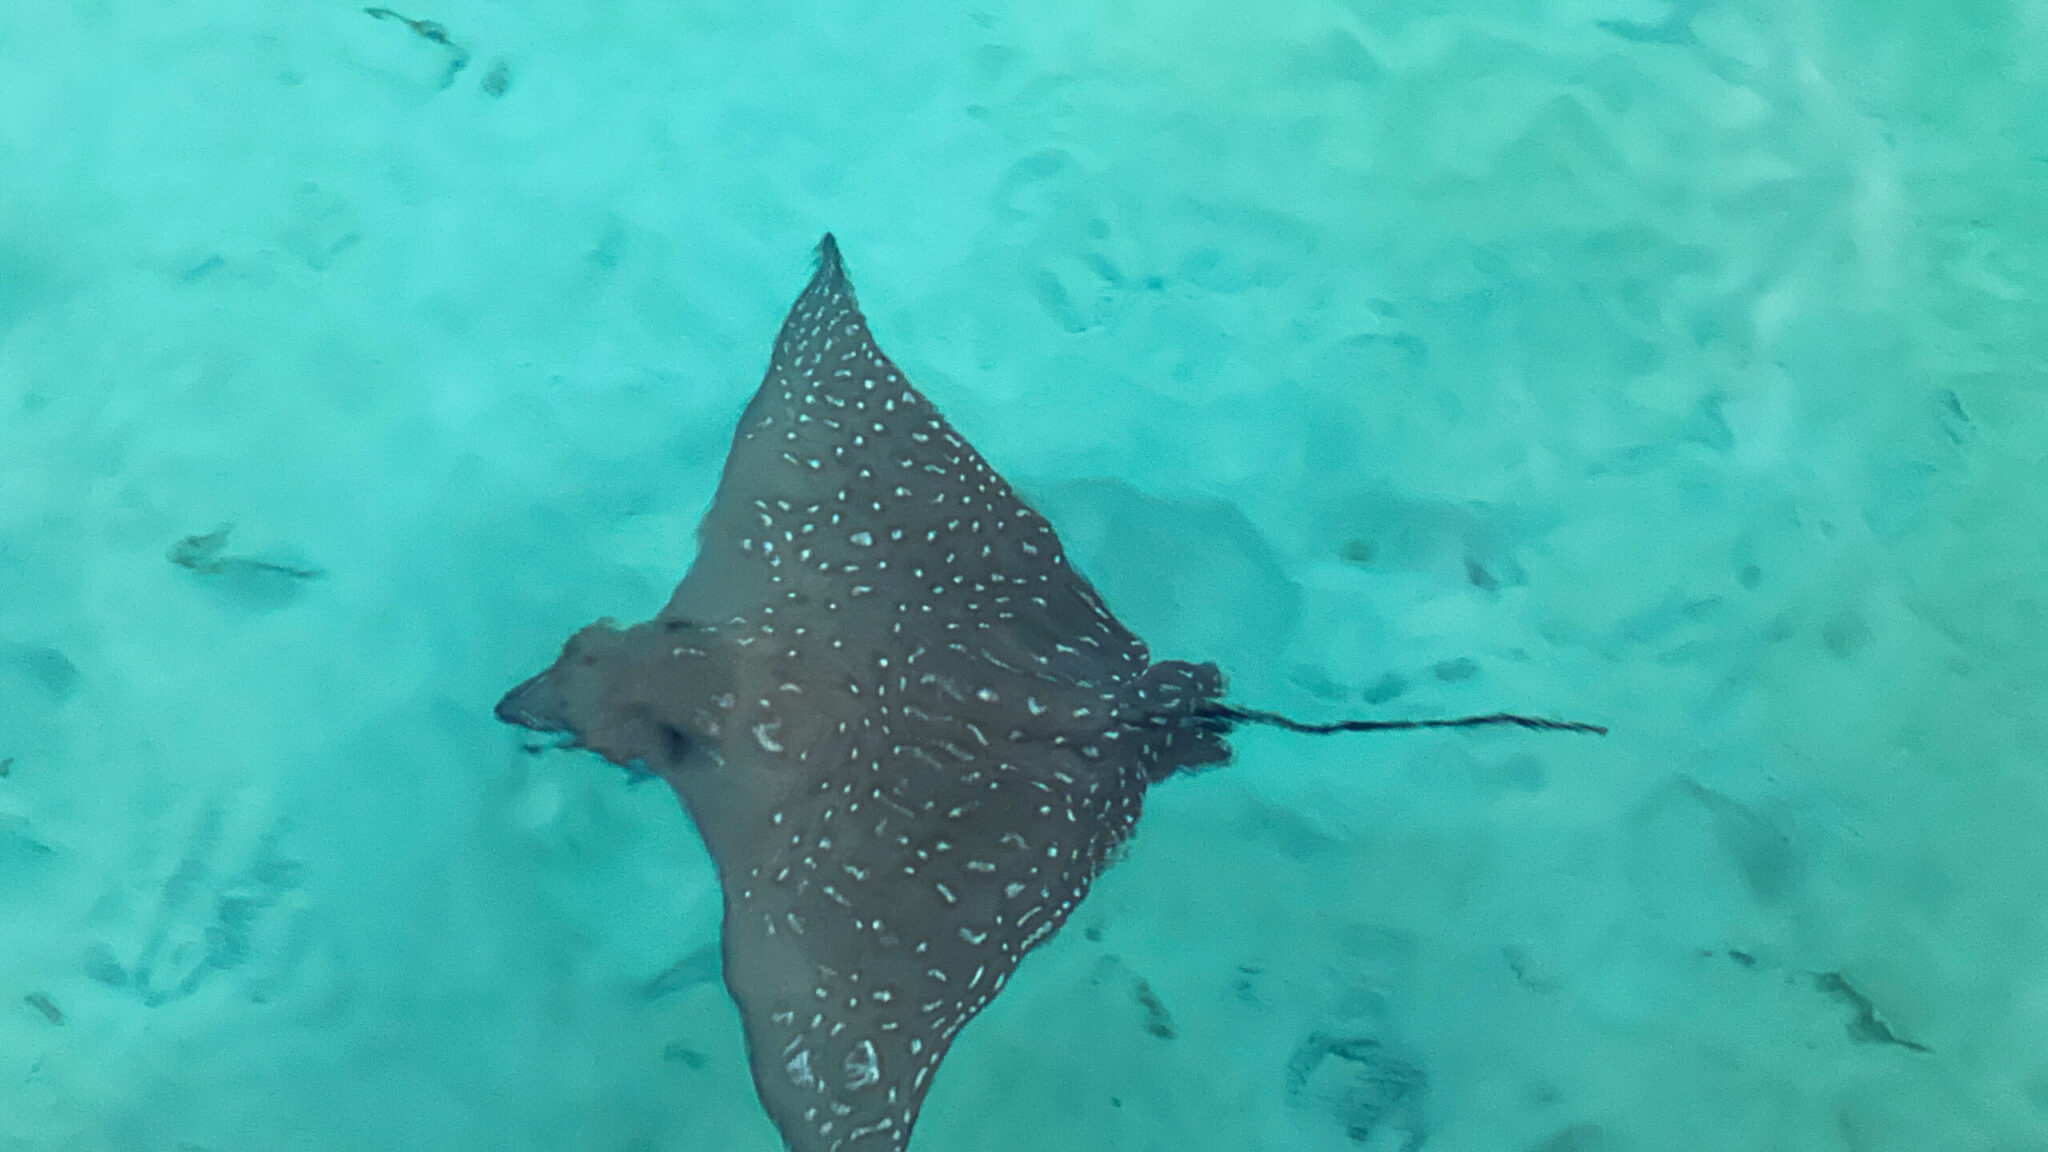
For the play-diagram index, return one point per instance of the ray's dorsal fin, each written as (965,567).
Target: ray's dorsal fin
(910,734)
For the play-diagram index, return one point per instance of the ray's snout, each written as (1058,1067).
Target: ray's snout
(536,704)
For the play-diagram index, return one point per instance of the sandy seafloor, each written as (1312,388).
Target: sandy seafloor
(1681,369)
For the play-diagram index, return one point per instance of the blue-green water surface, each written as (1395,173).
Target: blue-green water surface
(1677,366)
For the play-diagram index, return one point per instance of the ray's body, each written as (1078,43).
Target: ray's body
(908,731)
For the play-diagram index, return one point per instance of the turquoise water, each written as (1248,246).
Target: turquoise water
(1675,367)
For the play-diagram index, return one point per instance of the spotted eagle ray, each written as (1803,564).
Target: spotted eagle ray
(908,731)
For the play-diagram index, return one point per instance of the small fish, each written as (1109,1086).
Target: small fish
(202,554)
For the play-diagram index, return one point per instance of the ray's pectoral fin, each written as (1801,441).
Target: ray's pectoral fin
(653,696)
(836,1065)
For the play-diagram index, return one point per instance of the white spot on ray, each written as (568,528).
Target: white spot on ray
(863,1066)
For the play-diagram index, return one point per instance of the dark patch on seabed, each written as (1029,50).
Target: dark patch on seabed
(1158,1021)
(41,1002)
(1374,1092)
(205,923)
(47,671)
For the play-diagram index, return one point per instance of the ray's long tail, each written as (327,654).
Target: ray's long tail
(1228,716)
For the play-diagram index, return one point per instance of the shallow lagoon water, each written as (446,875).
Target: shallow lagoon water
(1675,367)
